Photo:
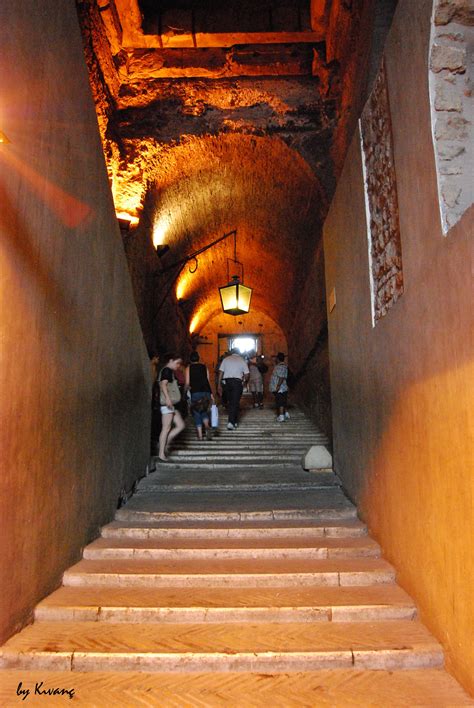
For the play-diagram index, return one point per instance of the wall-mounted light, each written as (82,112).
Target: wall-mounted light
(3,138)
(235,296)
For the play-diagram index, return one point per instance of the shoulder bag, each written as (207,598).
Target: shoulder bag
(173,391)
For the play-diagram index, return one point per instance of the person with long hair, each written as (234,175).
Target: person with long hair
(172,422)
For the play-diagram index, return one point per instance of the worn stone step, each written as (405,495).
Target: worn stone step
(288,646)
(335,687)
(241,487)
(286,604)
(329,503)
(230,452)
(325,513)
(230,573)
(231,458)
(238,478)
(238,444)
(276,433)
(274,430)
(254,548)
(244,529)
(224,464)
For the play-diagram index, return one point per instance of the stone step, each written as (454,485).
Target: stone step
(323,514)
(253,548)
(238,477)
(286,604)
(224,464)
(256,436)
(188,486)
(274,429)
(230,459)
(325,503)
(230,572)
(209,449)
(335,687)
(226,530)
(288,646)
(235,441)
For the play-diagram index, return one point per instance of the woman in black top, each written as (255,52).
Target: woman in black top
(197,381)
(169,415)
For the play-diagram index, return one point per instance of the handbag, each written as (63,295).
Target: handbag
(173,391)
(214,416)
(201,405)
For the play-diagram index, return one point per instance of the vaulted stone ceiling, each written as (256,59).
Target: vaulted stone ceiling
(220,115)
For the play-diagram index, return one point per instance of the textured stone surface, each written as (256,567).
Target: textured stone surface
(317,457)
(381,200)
(153,101)
(452,101)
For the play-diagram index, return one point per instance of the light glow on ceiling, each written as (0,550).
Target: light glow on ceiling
(194,323)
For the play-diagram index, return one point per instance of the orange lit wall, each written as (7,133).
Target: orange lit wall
(402,391)
(74,377)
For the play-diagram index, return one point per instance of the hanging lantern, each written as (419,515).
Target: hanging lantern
(235,297)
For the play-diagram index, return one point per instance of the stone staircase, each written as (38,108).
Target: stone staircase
(232,577)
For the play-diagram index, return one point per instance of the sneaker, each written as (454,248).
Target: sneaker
(235,426)
(255,405)
(287,416)
(230,426)
(281,419)
(208,434)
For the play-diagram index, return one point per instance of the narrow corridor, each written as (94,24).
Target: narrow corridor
(232,577)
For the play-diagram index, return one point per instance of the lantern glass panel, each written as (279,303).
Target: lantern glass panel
(243,298)
(229,297)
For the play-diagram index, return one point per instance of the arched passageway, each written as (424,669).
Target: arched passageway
(259,187)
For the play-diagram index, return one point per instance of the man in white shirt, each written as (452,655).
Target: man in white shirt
(235,372)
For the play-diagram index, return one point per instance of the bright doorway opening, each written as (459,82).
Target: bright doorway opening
(244,344)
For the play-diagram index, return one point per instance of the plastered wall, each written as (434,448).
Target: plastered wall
(74,375)
(308,343)
(402,391)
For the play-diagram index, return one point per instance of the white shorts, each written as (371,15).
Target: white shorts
(165,410)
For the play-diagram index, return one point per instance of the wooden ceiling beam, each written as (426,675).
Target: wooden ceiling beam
(201,40)
(133,36)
